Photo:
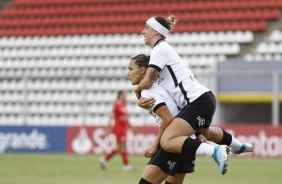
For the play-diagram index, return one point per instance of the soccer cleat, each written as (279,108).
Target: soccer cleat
(246,147)
(220,157)
(128,168)
(102,162)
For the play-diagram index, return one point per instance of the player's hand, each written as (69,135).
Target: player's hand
(149,152)
(138,94)
(146,103)
(108,131)
(202,138)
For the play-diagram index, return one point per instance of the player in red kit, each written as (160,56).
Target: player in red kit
(119,129)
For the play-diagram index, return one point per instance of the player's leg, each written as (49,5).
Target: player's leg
(175,135)
(105,158)
(121,147)
(124,156)
(185,166)
(191,119)
(177,179)
(221,137)
(153,174)
(161,164)
(175,139)
(115,151)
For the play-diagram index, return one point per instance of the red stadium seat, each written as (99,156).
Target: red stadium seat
(95,16)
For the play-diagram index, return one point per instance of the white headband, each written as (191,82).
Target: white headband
(157,26)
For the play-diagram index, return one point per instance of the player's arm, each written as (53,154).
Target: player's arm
(129,125)
(147,81)
(166,119)
(111,118)
(109,126)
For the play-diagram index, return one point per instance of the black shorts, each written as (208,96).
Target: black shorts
(173,163)
(199,113)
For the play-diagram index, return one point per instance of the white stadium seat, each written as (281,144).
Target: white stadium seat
(57,74)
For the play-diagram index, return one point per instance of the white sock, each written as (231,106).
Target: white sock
(205,149)
(235,143)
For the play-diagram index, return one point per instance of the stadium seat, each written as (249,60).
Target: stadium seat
(275,36)
(54,43)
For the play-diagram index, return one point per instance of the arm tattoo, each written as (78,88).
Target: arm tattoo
(153,75)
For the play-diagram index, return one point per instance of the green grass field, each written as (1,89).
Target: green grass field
(75,169)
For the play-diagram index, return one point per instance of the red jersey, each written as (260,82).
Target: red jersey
(120,116)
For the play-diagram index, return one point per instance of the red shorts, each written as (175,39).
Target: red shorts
(120,136)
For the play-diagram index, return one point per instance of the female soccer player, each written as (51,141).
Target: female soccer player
(163,163)
(197,102)
(119,114)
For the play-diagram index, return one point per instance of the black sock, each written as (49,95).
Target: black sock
(143,181)
(190,146)
(226,139)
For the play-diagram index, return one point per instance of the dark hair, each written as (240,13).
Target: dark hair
(119,93)
(167,23)
(142,60)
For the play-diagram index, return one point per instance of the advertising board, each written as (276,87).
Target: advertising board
(32,139)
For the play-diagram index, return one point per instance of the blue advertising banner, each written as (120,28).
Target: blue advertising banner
(32,139)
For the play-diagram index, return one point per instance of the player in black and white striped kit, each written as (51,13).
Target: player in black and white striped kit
(197,102)
(163,165)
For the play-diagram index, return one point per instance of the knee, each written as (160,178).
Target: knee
(165,144)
